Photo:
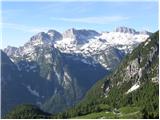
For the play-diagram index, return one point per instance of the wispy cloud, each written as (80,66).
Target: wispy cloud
(24,28)
(95,20)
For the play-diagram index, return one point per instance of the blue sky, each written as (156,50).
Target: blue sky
(21,20)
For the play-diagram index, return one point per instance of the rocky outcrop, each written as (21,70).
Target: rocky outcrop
(138,67)
(54,35)
(126,30)
(79,36)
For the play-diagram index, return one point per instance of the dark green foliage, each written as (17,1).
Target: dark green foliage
(27,112)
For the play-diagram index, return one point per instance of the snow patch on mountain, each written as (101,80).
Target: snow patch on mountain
(67,80)
(12,60)
(146,43)
(33,67)
(33,92)
(99,44)
(48,56)
(115,38)
(106,92)
(85,61)
(133,88)
(86,43)
(58,75)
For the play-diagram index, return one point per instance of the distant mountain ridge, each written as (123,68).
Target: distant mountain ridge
(86,43)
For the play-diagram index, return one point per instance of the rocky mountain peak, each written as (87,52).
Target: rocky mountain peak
(40,36)
(10,50)
(145,32)
(50,37)
(70,33)
(54,35)
(52,31)
(125,30)
(80,36)
(74,32)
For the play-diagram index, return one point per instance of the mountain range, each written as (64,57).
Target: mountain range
(54,71)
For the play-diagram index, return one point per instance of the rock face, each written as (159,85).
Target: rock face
(41,36)
(51,35)
(79,34)
(131,31)
(66,64)
(126,30)
(139,67)
(10,50)
(79,37)
(54,35)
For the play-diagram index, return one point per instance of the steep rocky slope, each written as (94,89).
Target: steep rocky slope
(131,91)
(50,77)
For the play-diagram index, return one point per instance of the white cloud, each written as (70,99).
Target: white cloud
(96,20)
